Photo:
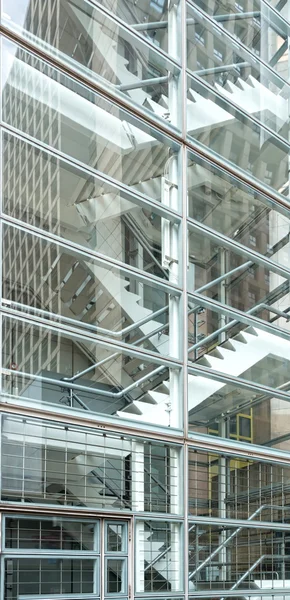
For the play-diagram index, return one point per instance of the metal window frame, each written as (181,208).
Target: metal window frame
(124,537)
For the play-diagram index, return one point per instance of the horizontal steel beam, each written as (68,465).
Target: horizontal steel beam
(124,87)
(222,69)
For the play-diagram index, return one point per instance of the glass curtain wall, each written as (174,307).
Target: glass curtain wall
(145,299)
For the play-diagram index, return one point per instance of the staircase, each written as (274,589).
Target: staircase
(240,356)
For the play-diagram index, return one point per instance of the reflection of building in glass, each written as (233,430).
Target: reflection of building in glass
(146,305)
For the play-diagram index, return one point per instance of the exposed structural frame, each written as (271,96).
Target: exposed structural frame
(181,305)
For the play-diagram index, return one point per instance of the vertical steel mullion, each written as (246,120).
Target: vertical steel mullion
(23,463)
(103,574)
(130,540)
(183,463)
(1,450)
(2,577)
(65,468)
(40,578)
(185,581)
(150,476)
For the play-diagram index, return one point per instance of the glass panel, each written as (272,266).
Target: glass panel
(249,21)
(158,551)
(235,281)
(245,412)
(116,537)
(148,18)
(33,576)
(47,279)
(56,110)
(252,558)
(93,44)
(221,408)
(219,62)
(255,490)
(231,135)
(50,534)
(239,212)
(116,576)
(57,464)
(52,194)
(44,365)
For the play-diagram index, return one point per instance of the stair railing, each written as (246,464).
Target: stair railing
(231,324)
(231,537)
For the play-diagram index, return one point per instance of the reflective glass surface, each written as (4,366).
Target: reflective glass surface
(249,486)
(84,468)
(44,365)
(234,73)
(223,204)
(65,285)
(250,571)
(152,535)
(73,204)
(235,281)
(92,43)
(251,22)
(226,131)
(145,302)
(49,576)
(150,19)
(58,111)
(51,534)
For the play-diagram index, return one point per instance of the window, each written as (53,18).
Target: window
(47,556)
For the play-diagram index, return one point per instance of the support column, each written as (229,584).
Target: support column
(223,291)
(138,506)
(222,490)
(175,551)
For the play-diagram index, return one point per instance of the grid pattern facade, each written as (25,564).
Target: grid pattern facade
(145,301)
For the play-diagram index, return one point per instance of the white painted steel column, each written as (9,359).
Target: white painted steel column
(222,490)
(138,505)
(175,542)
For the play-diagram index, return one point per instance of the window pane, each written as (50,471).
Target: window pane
(116,576)
(221,127)
(222,203)
(140,14)
(57,534)
(69,117)
(51,280)
(252,489)
(232,279)
(254,25)
(94,45)
(158,551)
(53,195)
(26,576)
(58,464)
(116,537)
(74,372)
(216,407)
(254,558)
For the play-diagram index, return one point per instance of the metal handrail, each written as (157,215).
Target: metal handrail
(255,564)
(231,537)
(231,324)
(96,328)
(224,276)
(85,388)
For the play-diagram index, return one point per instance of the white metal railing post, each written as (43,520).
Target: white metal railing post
(138,505)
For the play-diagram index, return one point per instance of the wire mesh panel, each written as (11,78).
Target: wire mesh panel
(239,488)
(238,557)
(61,464)
(158,547)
